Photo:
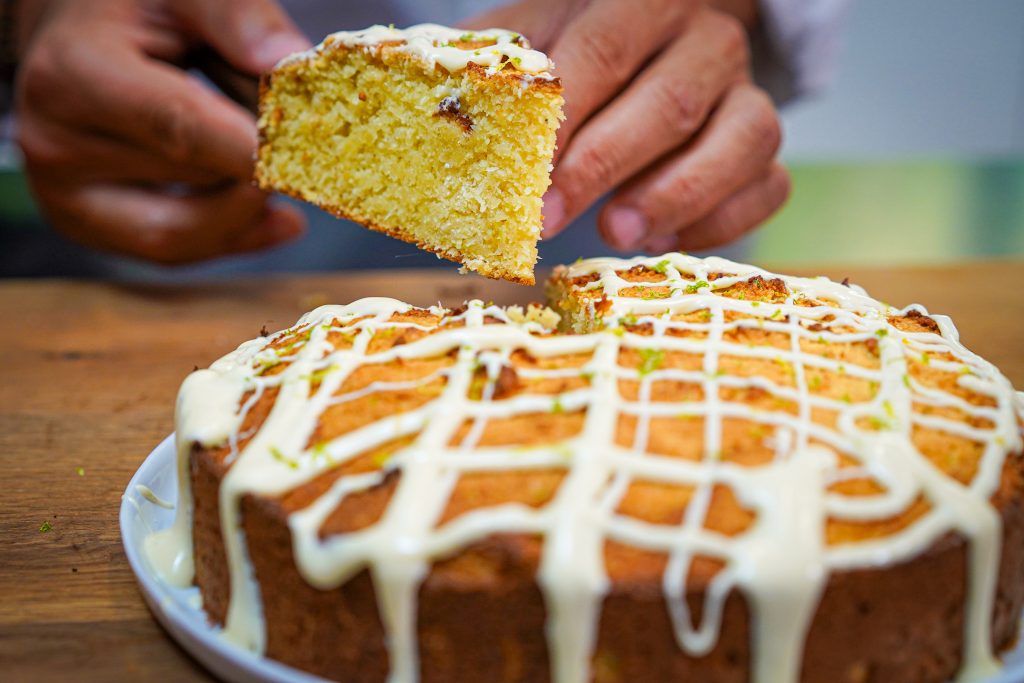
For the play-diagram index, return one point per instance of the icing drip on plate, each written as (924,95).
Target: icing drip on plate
(453,49)
(780,563)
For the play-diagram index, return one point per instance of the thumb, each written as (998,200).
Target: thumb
(253,35)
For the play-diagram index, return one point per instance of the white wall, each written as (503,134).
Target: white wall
(920,78)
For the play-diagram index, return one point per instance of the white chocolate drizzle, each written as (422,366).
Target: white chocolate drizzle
(495,50)
(148,494)
(780,564)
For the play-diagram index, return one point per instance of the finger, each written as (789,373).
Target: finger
(736,146)
(171,229)
(54,153)
(539,20)
(659,111)
(110,89)
(604,46)
(747,12)
(737,215)
(253,35)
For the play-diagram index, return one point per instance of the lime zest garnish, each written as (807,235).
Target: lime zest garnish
(318,375)
(650,360)
(696,286)
(276,454)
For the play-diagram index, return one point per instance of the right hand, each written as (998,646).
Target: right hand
(660,113)
(127,152)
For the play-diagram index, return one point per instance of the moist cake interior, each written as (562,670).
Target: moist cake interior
(435,136)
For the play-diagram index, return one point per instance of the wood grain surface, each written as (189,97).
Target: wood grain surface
(89,379)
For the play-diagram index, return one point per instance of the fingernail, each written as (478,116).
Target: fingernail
(626,226)
(554,212)
(275,47)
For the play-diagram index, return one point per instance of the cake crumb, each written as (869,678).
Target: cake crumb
(534,313)
(451,108)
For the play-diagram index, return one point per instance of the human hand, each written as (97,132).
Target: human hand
(660,110)
(127,152)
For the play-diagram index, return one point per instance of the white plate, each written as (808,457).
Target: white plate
(178,609)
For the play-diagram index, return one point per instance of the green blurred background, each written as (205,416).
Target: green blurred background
(897,212)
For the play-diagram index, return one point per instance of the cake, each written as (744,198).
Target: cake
(433,135)
(718,474)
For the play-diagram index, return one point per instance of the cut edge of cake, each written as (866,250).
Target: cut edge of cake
(456,147)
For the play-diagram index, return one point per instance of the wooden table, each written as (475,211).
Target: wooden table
(89,379)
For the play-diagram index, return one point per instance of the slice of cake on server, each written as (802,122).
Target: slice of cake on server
(436,136)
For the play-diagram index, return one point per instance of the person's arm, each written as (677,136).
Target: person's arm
(660,111)
(796,45)
(126,151)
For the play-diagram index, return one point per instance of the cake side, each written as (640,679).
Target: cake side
(731,447)
(482,611)
(455,162)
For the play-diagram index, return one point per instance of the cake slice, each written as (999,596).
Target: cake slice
(433,135)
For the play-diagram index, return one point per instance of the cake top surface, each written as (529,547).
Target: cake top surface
(453,49)
(779,428)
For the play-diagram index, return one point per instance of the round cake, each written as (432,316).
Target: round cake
(695,470)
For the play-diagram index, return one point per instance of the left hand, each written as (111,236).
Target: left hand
(660,109)
(125,150)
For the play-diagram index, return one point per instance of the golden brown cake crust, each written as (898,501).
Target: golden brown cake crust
(492,79)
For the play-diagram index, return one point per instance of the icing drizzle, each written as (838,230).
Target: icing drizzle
(492,48)
(781,563)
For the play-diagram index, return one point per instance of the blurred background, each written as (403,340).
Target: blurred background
(913,154)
